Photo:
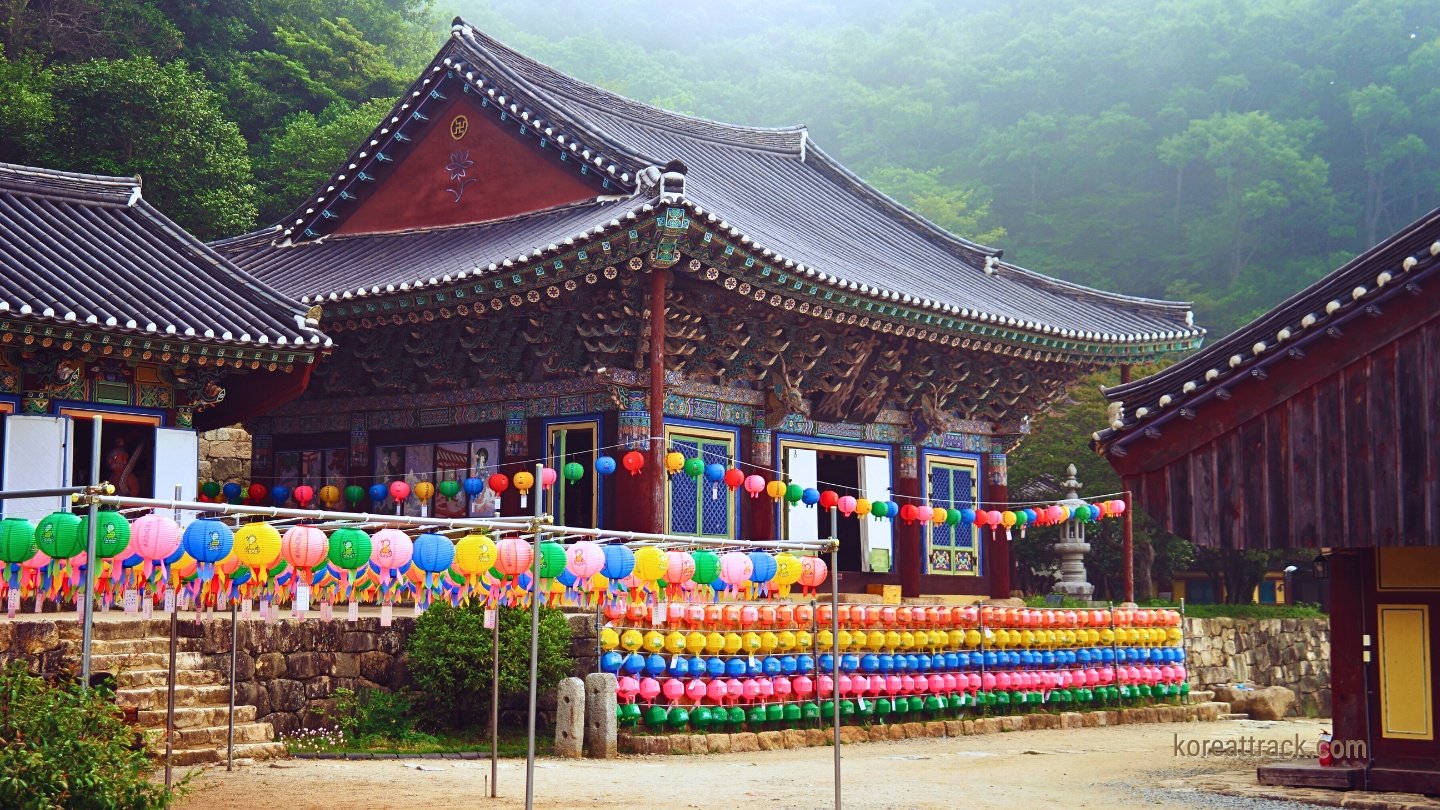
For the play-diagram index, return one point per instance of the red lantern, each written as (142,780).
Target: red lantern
(829,499)
(258,492)
(633,461)
(734,478)
(992,518)
(498,483)
(907,513)
(304,494)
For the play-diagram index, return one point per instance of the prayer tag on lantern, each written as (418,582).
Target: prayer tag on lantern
(13,603)
(302,598)
(327,611)
(169,602)
(246,608)
(267,612)
(130,601)
(147,608)
(387,614)
(353,612)
(39,603)
(222,600)
(419,609)
(489,618)
(657,615)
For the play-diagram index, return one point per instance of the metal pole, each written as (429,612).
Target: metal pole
(234,647)
(39,493)
(88,621)
(835,647)
(534,640)
(495,703)
(170,692)
(1128,547)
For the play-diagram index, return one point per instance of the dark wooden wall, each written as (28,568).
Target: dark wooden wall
(1336,449)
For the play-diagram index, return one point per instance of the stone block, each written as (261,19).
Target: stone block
(914,731)
(600,722)
(1091,719)
(629,744)
(744,742)
(679,743)
(816,737)
(852,734)
(306,665)
(717,743)
(770,740)
(286,695)
(954,728)
(967,727)
(359,641)
(1012,723)
(1271,703)
(935,728)
(345,665)
(894,732)
(34,638)
(375,666)
(569,718)
(794,738)
(270,665)
(1071,720)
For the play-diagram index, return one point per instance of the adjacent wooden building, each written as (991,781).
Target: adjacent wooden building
(517,265)
(1318,426)
(107,307)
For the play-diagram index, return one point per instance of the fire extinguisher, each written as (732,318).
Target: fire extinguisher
(1326,759)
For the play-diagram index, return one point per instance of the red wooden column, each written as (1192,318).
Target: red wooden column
(761,510)
(1127,546)
(997,549)
(1349,608)
(908,547)
(655,469)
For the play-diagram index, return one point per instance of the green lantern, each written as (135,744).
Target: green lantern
(933,704)
(793,493)
(827,709)
(210,489)
(58,535)
(349,548)
(707,566)
(112,533)
(952,517)
(883,706)
(774,713)
(810,711)
(574,471)
(700,718)
(679,717)
(694,467)
(17,540)
(847,708)
(737,716)
(757,715)
(450,488)
(629,714)
(354,494)
(552,560)
(656,716)
(791,712)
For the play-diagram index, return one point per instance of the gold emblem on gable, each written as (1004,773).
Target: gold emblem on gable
(459,125)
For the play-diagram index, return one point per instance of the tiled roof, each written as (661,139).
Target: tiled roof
(771,191)
(88,250)
(1397,266)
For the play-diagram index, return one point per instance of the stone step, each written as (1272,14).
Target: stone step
(196,716)
(140,678)
(128,646)
(155,697)
(130,629)
(1201,696)
(208,736)
(125,661)
(207,755)
(1233,716)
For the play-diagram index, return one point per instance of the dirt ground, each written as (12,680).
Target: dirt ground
(1125,766)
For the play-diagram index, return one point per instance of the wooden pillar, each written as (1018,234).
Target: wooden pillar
(656,468)
(1349,694)
(1127,545)
(996,496)
(907,537)
(761,521)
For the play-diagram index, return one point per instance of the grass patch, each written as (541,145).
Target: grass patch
(511,743)
(1303,610)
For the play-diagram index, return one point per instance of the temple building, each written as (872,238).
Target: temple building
(1315,427)
(519,266)
(108,308)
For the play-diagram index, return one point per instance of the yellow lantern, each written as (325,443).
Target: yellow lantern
(675,642)
(631,640)
(972,638)
(907,640)
(257,545)
(674,462)
(329,495)
(785,640)
(862,506)
(922,639)
(732,643)
(475,554)
(695,642)
(957,639)
(892,640)
(654,642)
(875,640)
(650,563)
(825,639)
(939,516)
(804,641)
(750,642)
(768,642)
(424,490)
(714,643)
(776,490)
(1107,636)
(609,639)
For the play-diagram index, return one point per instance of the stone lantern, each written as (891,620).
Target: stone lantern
(1072,546)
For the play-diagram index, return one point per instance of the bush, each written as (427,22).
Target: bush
(62,748)
(449,658)
(374,715)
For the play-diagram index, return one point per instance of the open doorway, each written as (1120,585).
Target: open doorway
(575,503)
(841,472)
(127,454)
(860,472)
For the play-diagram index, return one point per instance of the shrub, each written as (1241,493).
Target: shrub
(449,658)
(63,748)
(374,715)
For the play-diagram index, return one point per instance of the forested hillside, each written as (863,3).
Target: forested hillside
(1205,149)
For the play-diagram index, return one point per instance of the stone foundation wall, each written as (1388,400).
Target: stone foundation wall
(225,455)
(49,648)
(1294,653)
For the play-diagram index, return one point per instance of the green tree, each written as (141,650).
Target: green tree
(27,109)
(164,123)
(962,211)
(307,148)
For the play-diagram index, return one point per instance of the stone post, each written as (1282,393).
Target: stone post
(1072,546)
(570,702)
(601,725)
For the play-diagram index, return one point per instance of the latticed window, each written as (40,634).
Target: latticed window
(953,484)
(697,506)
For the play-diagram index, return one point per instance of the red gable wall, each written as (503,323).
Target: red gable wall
(506,175)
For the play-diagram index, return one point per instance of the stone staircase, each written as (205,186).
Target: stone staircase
(141,668)
(1206,696)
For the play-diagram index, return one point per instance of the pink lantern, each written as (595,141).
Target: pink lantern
(892,684)
(649,689)
(751,690)
(1117,507)
(304,547)
(951,681)
(846,505)
(812,572)
(826,687)
(679,567)
(987,681)
(390,549)
(154,537)
(803,686)
(715,690)
(924,514)
(584,559)
(735,689)
(767,688)
(1003,680)
(695,615)
(992,518)
(844,685)
(972,682)
(736,568)
(547,476)
(782,687)
(514,556)
(303,495)
(754,485)
(674,689)
(937,684)
(399,490)
(920,684)
(628,688)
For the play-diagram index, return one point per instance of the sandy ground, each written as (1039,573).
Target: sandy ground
(1119,767)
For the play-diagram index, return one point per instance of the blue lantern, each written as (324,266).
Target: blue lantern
(279,494)
(810,496)
(604,465)
(473,486)
(378,492)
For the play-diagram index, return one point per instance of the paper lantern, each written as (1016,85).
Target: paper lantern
(304,494)
(754,485)
(650,563)
(514,556)
(475,554)
(585,559)
(863,506)
(828,499)
(909,513)
(776,490)
(58,535)
(734,478)
(552,560)
(304,547)
(619,562)
(694,467)
(924,514)
(424,491)
(847,505)
(279,494)
(634,461)
(378,493)
(210,489)
(763,567)
(257,545)
(547,477)
(735,568)
(794,493)
(17,542)
(674,462)
(154,536)
(232,491)
(679,568)
(574,471)
(350,548)
(112,534)
(390,549)
(432,553)
(604,465)
(329,495)
(523,481)
(707,567)
(812,572)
